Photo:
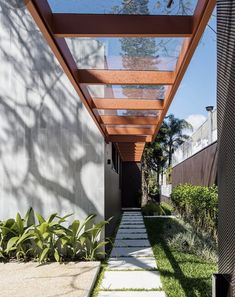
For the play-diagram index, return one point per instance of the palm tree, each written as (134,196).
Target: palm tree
(174,130)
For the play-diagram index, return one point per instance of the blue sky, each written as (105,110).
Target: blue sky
(198,87)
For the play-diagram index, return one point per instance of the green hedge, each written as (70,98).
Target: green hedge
(197,204)
(36,238)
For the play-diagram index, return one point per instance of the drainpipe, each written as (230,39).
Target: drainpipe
(209,109)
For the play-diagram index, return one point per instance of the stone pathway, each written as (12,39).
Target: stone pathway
(132,269)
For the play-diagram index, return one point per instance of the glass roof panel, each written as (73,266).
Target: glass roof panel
(143,7)
(143,53)
(127,91)
(124,112)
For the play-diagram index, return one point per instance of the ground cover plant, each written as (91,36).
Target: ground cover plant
(155,208)
(197,205)
(184,272)
(36,238)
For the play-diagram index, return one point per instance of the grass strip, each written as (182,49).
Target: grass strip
(182,274)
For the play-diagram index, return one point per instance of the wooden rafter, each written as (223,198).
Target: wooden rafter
(129,131)
(111,25)
(129,120)
(129,104)
(129,138)
(126,77)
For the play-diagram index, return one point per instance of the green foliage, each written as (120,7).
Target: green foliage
(36,238)
(199,205)
(153,208)
(183,273)
(167,208)
(152,185)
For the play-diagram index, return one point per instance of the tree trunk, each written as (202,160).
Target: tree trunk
(170,156)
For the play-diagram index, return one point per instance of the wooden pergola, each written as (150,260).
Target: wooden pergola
(130,132)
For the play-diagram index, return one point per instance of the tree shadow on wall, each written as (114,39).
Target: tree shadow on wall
(46,141)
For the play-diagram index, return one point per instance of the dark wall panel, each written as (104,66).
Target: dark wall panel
(226,140)
(200,169)
(131,184)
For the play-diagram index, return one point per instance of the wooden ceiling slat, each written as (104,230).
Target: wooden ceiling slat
(129,120)
(130,104)
(129,131)
(111,25)
(129,138)
(125,77)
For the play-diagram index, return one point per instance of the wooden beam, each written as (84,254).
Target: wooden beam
(126,77)
(42,15)
(129,138)
(129,120)
(119,25)
(132,104)
(132,158)
(129,131)
(201,17)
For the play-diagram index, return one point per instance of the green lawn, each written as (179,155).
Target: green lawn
(182,273)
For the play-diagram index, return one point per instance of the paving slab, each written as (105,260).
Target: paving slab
(123,263)
(139,221)
(131,236)
(131,230)
(53,279)
(133,223)
(132,213)
(132,252)
(131,243)
(131,209)
(134,226)
(114,280)
(132,294)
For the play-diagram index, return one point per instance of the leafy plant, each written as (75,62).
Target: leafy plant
(34,237)
(199,205)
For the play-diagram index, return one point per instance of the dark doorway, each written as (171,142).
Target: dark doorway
(131,184)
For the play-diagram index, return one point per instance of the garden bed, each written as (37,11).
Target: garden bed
(50,279)
(183,271)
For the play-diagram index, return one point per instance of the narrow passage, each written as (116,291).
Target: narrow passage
(132,269)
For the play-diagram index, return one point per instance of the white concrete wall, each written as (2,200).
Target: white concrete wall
(197,141)
(51,152)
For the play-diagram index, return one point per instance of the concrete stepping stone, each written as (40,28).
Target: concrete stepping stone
(132,231)
(131,243)
(134,226)
(130,209)
(132,294)
(132,213)
(125,219)
(132,252)
(132,219)
(128,263)
(114,280)
(131,223)
(131,236)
